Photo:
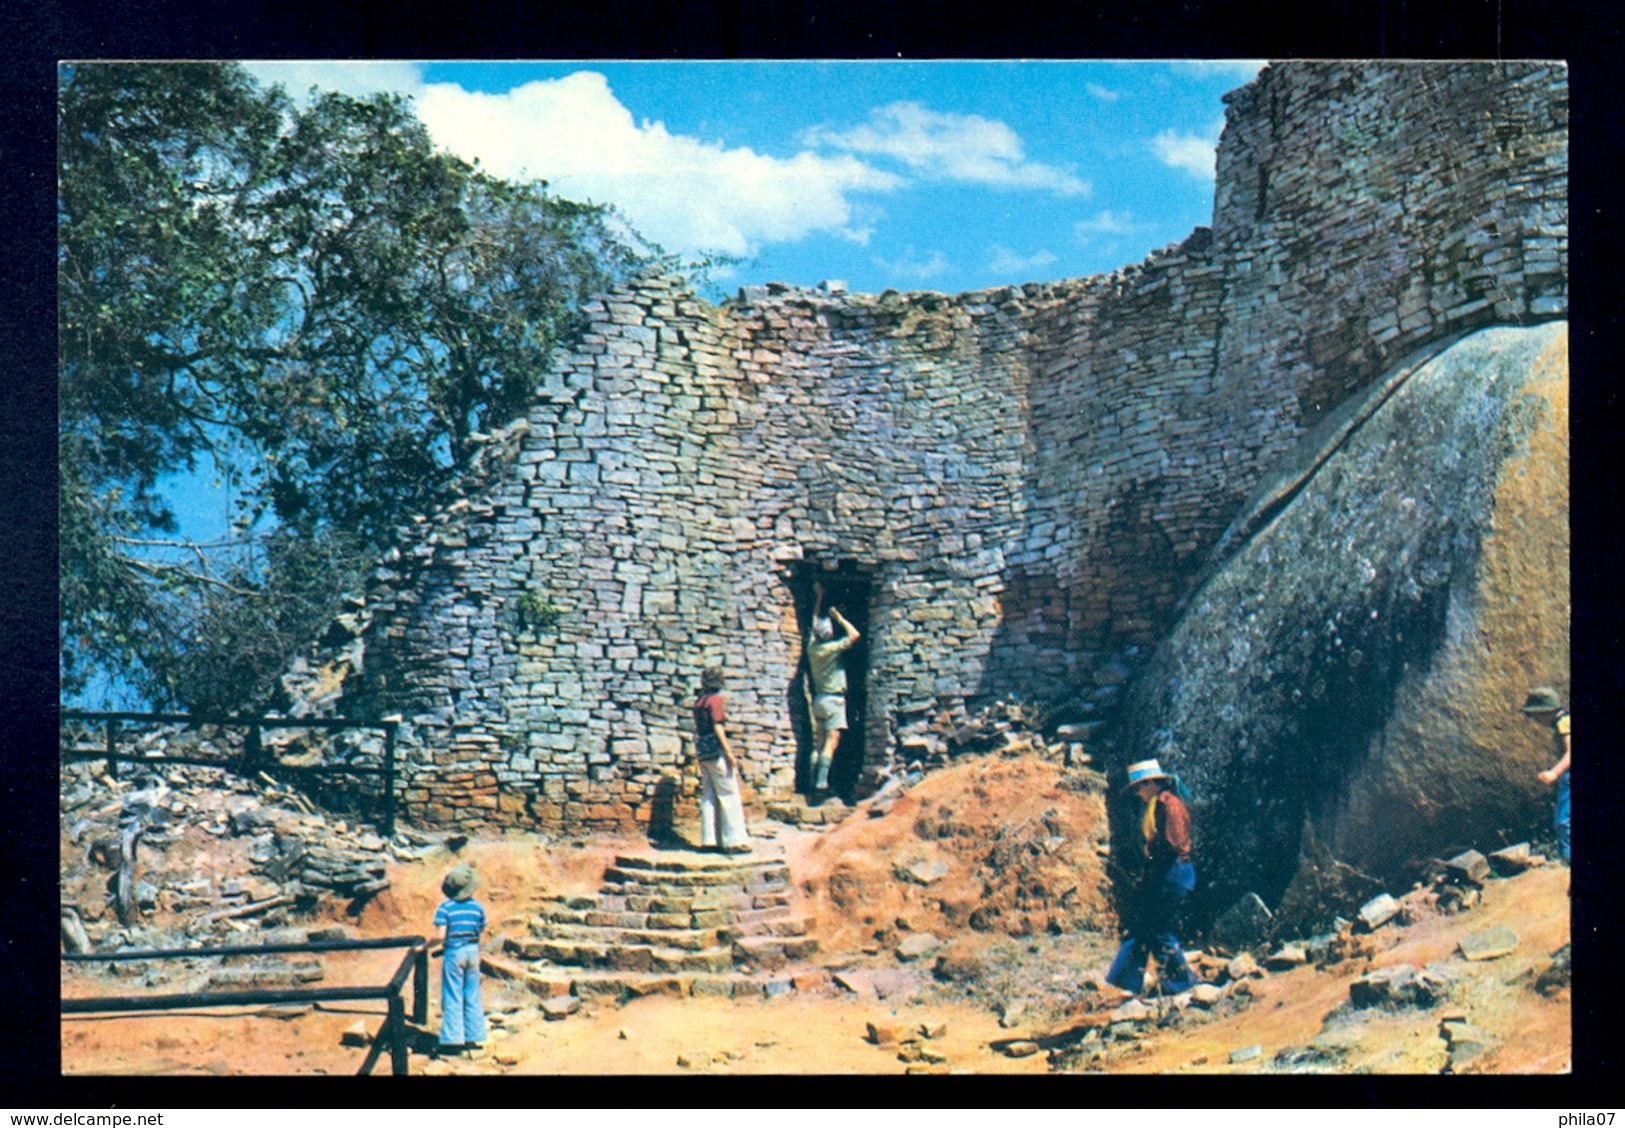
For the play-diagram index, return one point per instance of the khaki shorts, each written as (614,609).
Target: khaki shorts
(829,712)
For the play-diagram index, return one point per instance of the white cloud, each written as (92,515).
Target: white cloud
(914,267)
(1187,152)
(939,146)
(682,192)
(1105,94)
(686,194)
(1105,223)
(1004,261)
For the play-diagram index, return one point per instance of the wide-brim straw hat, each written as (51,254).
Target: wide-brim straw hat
(1144,770)
(1543,699)
(459,883)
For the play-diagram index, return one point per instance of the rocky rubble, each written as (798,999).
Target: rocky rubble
(1004,726)
(179,855)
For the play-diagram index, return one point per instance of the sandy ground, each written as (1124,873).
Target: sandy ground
(823,1029)
(1001,858)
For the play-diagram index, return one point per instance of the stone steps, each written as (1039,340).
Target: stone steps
(671,925)
(625,874)
(690,939)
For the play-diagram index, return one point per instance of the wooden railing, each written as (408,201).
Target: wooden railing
(253,759)
(394,1033)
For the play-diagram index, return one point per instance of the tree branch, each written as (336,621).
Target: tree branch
(164,571)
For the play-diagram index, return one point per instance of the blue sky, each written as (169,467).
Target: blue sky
(947,176)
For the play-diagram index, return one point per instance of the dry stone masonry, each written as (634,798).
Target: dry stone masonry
(1016,485)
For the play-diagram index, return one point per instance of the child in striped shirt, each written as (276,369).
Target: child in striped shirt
(462,921)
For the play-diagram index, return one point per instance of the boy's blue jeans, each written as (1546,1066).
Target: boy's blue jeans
(462,1017)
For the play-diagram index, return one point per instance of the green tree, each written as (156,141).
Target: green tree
(313,302)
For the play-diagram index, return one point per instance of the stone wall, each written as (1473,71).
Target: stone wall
(1021,482)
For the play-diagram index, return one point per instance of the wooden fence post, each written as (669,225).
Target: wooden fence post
(399,1060)
(420,986)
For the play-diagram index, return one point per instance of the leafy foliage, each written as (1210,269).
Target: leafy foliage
(313,302)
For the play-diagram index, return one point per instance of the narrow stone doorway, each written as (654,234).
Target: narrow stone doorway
(848,585)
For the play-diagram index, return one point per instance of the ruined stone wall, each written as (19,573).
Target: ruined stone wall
(1028,477)
(1362,212)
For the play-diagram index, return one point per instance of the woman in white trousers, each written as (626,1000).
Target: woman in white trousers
(722,811)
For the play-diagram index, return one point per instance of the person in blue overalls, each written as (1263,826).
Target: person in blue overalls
(1166,877)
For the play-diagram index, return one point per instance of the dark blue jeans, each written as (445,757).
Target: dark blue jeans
(1152,934)
(1560,816)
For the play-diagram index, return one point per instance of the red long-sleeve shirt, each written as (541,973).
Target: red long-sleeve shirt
(1171,841)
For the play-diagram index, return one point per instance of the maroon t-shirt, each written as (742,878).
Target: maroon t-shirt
(708,713)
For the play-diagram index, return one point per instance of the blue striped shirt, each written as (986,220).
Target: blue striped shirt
(462,920)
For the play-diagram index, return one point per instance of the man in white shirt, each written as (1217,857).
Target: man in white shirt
(827,683)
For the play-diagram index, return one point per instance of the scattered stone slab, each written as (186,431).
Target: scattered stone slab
(1469,865)
(929,1067)
(1287,956)
(560,1007)
(1246,1053)
(356,1034)
(889,981)
(1134,1011)
(857,981)
(1020,1049)
(933,1030)
(916,945)
(1206,994)
(1399,985)
(886,1032)
(1243,966)
(1244,924)
(1378,911)
(1513,859)
(1489,944)
(1460,1032)
(1380,984)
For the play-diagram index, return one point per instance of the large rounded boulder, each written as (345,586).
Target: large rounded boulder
(1342,692)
